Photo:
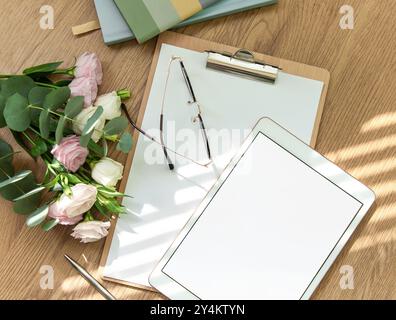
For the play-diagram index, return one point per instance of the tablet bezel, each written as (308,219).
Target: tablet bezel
(173,290)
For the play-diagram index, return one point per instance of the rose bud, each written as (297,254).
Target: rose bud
(107,172)
(88,66)
(111,104)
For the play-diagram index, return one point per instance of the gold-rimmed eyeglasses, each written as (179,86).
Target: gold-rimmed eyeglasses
(197,119)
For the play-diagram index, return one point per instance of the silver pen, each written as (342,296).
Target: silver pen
(90,279)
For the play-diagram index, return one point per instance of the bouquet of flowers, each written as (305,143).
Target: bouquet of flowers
(55,114)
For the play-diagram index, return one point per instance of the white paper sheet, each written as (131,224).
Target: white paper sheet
(164,200)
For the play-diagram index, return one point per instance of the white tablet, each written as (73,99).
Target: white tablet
(270,228)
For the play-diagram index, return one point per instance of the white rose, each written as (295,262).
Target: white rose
(91,231)
(107,172)
(111,104)
(81,120)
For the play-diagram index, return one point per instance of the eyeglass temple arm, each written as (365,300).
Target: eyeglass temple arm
(205,136)
(194,100)
(170,164)
(188,82)
(124,108)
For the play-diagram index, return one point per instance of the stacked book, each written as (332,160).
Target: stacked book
(123,20)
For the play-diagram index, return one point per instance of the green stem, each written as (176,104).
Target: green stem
(69,71)
(29,139)
(38,133)
(34,130)
(83,177)
(85,170)
(88,217)
(5,173)
(46,85)
(124,94)
(50,111)
(50,168)
(15,185)
(9,155)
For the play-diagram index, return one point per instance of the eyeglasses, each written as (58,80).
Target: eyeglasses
(198,118)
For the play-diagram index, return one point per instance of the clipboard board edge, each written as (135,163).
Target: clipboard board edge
(193,43)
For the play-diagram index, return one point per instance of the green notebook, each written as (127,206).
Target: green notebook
(148,18)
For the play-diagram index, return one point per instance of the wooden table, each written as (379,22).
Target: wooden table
(358,130)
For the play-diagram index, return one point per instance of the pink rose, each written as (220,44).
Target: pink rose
(70,209)
(70,153)
(84,87)
(88,75)
(91,231)
(88,66)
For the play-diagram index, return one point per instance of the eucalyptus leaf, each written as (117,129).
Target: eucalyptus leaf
(50,224)
(15,190)
(35,117)
(90,127)
(18,138)
(116,126)
(74,107)
(17,84)
(5,149)
(30,193)
(39,148)
(95,148)
(44,123)
(59,130)
(37,217)
(53,124)
(85,140)
(56,98)
(92,121)
(27,202)
(6,170)
(125,143)
(7,158)
(37,95)
(46,68)
(17,113)
(21,175)
(26,206)
(3,101)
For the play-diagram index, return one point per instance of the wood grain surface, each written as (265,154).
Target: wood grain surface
(358,129)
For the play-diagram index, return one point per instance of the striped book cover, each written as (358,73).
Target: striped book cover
(148,18)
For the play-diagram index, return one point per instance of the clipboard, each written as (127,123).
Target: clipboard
(270,65)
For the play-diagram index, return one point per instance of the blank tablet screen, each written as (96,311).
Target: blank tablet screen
(267,231)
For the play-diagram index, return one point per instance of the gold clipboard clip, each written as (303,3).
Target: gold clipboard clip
(243,63)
